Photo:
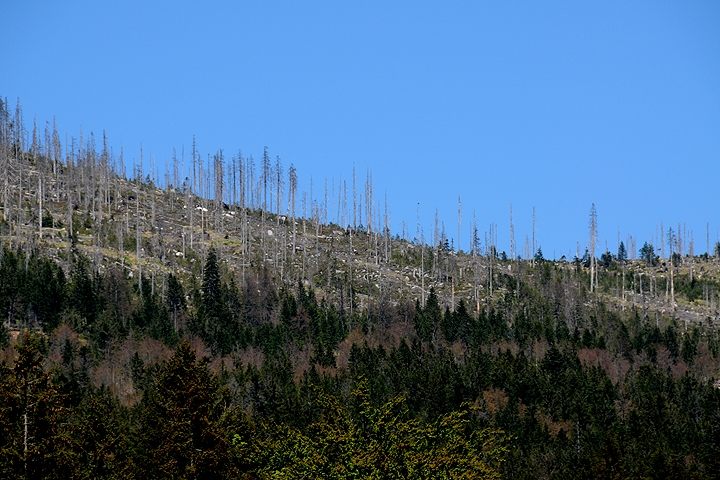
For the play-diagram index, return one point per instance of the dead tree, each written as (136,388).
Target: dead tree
(5,152)
(593,242)
(354,186)
(138,233)
(219,184)
(513,254)
(534,244)
(672,243)
(292,174)
(265,178)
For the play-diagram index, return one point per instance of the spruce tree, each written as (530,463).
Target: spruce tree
(181,414)
(34,437)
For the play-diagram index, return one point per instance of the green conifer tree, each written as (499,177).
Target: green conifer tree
(181,415)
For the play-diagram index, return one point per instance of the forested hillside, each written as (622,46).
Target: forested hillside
(223,324)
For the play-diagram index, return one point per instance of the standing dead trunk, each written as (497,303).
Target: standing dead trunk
(138,247)
(593,241)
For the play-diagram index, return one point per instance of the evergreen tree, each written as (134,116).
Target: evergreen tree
(82,295)
(449,326)
(175,299)
(35,441)
(427,320)
(152,317)
(217,326)
(100,431)
(647,253)
(622,253)
(181,418)
(12,282)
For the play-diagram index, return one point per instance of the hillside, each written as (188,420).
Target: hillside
(175,228)
(208,322)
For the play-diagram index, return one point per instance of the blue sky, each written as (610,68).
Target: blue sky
(552,105)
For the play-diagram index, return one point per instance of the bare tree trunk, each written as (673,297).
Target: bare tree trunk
(593,241)
(436,244)
(662,240)
(422,267)
(691,254)
(672,286)
(354,199)
(491,254)
(387,232)
(293,193)
(534,246)
(672,243)
(70,166)
(475,246)
(138,243)
(40,206)
(369,207)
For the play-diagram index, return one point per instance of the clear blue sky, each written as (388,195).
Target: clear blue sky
(552,105)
